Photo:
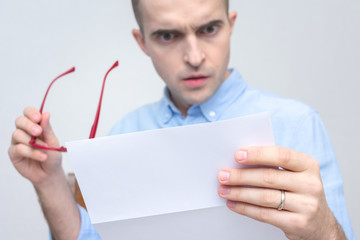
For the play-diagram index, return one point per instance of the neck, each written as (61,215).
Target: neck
(183,107)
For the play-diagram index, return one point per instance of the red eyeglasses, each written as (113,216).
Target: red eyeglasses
(96,121)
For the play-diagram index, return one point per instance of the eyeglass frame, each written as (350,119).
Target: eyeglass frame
(97,115)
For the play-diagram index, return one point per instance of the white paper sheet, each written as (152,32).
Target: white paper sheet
(205,224)
(143,175)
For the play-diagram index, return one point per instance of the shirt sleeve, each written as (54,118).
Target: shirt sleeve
(312,138)
(87,230)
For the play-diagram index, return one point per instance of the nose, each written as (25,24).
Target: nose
(193,54)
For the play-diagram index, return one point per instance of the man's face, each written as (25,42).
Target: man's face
(188,42)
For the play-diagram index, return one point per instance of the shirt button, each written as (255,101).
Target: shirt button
(212,114)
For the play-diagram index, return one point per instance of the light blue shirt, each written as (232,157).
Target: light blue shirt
(295,126)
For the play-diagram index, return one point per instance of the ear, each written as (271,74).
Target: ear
(232,19)
(140,40)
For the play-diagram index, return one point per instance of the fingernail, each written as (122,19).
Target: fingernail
(241,155)
(230,204)
(224,190)
(224,176)
(35,117)
(35,130)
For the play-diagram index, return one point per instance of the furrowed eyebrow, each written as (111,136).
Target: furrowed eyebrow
(217,22)
(174,31)
(163,31)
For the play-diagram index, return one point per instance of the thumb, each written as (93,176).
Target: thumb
(48,133)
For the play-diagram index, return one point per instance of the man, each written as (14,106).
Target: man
(189,45)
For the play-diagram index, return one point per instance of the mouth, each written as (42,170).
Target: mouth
(195,81)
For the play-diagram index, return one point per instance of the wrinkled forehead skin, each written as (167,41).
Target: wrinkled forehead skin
(163,11)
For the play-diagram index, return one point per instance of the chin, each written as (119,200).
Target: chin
(197,100)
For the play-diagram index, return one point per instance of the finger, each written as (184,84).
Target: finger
(19,136)
(48,133)
(19,151)
(261,197)
(275,156)
(28,126)
(265,178)
(280,219)
(33,114)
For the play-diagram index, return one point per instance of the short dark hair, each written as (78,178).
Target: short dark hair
(136,9)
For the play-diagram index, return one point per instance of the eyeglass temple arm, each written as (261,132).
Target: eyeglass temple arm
(32,141)
(96,121)
(67,72)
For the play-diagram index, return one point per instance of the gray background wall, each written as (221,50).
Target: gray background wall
(307,50)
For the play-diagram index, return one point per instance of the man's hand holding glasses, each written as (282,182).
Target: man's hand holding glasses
(36,154)
(34,149)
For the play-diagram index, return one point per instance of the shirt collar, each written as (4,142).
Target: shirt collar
(214,107)
(169,107)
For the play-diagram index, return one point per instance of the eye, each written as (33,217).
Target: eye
(167,36)
(209,30)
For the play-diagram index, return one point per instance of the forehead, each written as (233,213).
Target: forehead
(179,13)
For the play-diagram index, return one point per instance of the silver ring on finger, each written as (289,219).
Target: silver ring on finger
(282,202)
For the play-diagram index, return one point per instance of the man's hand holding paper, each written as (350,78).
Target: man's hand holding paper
(291,198)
